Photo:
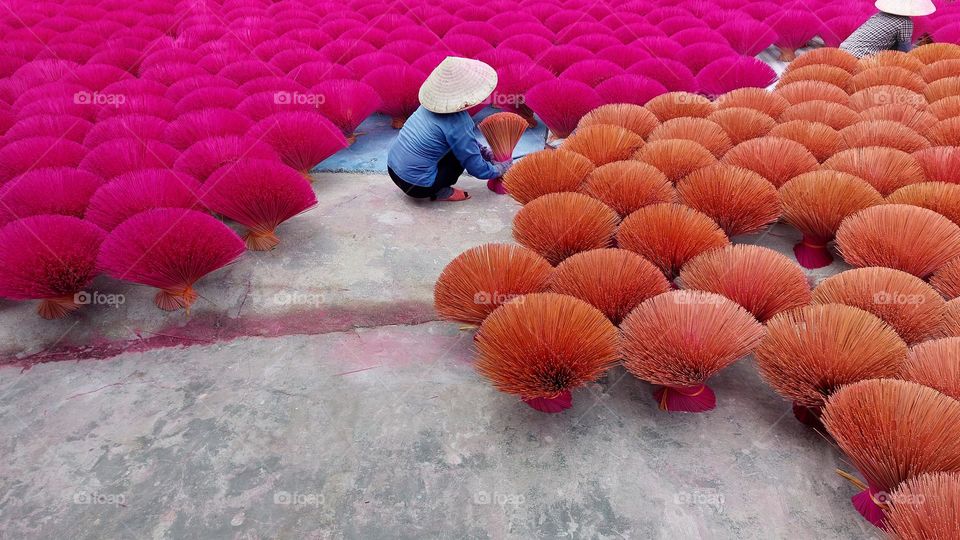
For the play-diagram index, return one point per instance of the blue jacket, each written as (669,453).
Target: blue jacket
(426,137)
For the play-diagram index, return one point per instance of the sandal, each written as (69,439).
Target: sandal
(457,196)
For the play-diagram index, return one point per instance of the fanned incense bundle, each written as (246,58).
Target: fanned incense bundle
(561,103)
(710,135)
(945,132)
(950,326)
(546,171)
(132,193)
(205,156)
(893,431)
(908,238)
(630,89)
(759,99)
(38,152)
(483,278)
(48,258)
(731,72)
(627,186)
(825,55)
(60,191)
(940,197)
(774,158)
(925,507)
(603,144)
(678,340)
(941,70)
(940,163)
(946,279)
(934,364)
(934,52)
(826,112)
(669,235)
(905,302)
(259,194)
(948,107)
(885,95)
(170,249)
(558,225)
(820,139)
(761,280)
(812,351)
(739,200)
(542,346)
(883,59)
(675,158)
(915,119)
(889,75)
(503,131)
(631,117)
(612,280)
(301,139)
(680,104)
(818,72)
(799,92)
(816,203)
(884,133)
(794,28)
(886,169)
(742,123)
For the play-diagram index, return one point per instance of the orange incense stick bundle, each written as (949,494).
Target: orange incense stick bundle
(758,99)
(480,279)
(612,280)
(801,91)
(503,131)
(893,431)
(812,351)
(913,308)
(761,280)
(774,158)
(884,59)
(561,224)
(627,186)
(832,114)
(542,346)
(742,123)
(631,117)
(950,326)
(885,94)
(678,340)
(680,104)
(820,139)
(603,144)
(546,171)
(700,130)
(941,197)
(924,507)
(934,52)
(676,158)
(908,238)
(940,163)
(946,279)
(915,119)
(816,72)
(886,169)
(884,133)
(816,203)
(887,75)
(826,55)
(934,364)
(669,235)
(739,200)
(943,88)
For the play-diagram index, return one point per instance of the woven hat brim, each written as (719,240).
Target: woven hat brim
(456,85)
(906,8)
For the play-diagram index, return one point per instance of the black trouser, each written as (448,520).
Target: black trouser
(449,170)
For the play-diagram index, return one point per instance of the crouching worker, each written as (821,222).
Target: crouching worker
(891,29)
(439,140)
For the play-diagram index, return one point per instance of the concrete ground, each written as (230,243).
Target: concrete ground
(312,394)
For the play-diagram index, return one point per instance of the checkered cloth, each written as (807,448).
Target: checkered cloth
(881,32)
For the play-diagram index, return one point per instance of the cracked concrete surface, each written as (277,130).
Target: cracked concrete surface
(351,414)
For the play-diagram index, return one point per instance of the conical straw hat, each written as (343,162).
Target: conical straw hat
(907,8)
(457,84)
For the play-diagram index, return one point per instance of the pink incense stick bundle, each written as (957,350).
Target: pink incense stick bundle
(69,127)
(135,192)
(732,72)
(170,249)
(672,74)
(346,103)
(633,89)
(128,154)
(36,152)
(259,194)
(207,155)
(49,258)
(301,139)
(794,28)
(60,191)
(747,36)
(398,88)
(657,347)
(194,126)
(208,98)
(560,103)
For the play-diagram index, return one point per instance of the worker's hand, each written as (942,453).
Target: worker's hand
(503,166)
(925,39)
(486,153)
